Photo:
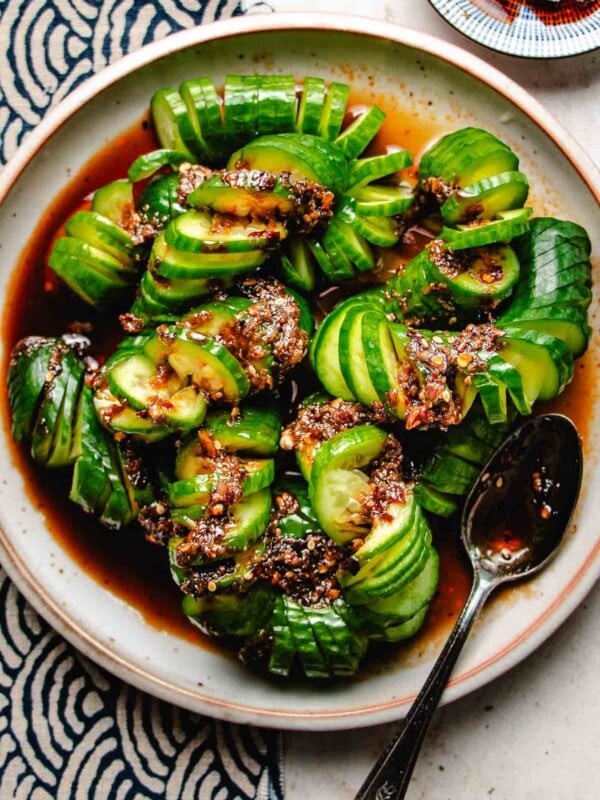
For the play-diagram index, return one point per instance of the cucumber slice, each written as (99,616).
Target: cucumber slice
(230,614)
(284,648)
(405,630)
(204,108)
(394,569)
(334,110)
(450,473)
(324,354)
(305,644)
(389,530)
(493,397)
(245,193)
(353,359)
(573,334)
(241,106)
(381,231)
(508,225)
(173,294)
(98,483)
(124,419)
(333,639)
(101,233)
(186,409)
(310,108)
(338,502)
(366,170)
(276,104)
(544,362)
(303,156)
(337,487)
(173,125)
(147,164)
(347,450)
(438,503)
(254,430)
(52,433)
(486,198)
(202,232)
(246,522)
(135,379)
(361,131)
(435,157)
(491,276)
(339,265)
(474,161)
(196,490)
(114,201)
(382,362)
(216,318)
(28,371)
(99,259)
(298,265)
(159,201)
(400,607)
(376,200)
(210,366)
(168,262)
(345,238)
(507,374)
(95,284)
(325,263)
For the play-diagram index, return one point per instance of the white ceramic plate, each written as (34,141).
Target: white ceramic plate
(442,91)
(521,29)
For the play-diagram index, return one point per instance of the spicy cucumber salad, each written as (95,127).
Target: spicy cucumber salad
(291,454)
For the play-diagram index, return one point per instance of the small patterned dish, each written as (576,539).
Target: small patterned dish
(527,28)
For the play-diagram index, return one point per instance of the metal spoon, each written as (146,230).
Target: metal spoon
(512,524)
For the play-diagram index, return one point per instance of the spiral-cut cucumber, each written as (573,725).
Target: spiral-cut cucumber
(528,357)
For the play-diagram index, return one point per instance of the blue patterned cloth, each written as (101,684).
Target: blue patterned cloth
(68,730)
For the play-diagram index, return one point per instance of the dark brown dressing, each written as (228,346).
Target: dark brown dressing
(124,562)
(563,13)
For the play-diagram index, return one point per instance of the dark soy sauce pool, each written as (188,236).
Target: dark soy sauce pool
(123,562)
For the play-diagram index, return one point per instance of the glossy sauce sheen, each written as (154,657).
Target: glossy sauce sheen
(124,563)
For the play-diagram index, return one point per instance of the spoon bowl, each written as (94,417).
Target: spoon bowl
(517,512)
(513,522)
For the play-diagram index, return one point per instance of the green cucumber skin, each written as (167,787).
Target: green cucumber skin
(254,431)
(305,643)
(45,378)
(358,135)
(28,369)
(231,614)
(159,200)
(147,164)
(114,201)
(98,484)
(310,156)
(550,250)
(283,650)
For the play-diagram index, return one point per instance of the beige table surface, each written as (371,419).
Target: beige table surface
(534,733)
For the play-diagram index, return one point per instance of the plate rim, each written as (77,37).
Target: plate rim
(518,52)
(561,606)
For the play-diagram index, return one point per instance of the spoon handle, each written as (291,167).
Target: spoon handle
(391,774)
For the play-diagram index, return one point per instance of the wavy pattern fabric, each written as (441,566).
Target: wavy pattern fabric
(48,47)
(68,730)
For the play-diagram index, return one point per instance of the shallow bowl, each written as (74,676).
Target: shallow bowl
(426,88)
